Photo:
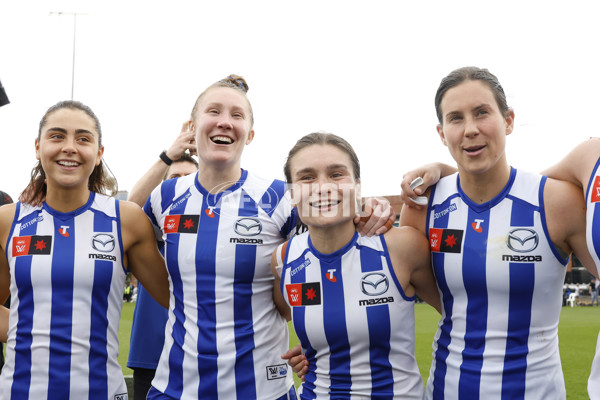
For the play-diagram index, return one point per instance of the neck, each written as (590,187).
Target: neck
(483,187)
(217,179)
(330,239)
(67,200)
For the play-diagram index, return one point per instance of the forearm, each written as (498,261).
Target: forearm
(3,324)
(151,179)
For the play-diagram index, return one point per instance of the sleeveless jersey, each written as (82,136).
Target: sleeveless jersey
(354,322)
(224,336)
(147,331)
(67,281)
(500,280)
(593,239)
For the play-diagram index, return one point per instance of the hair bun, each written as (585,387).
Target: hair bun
(237,81)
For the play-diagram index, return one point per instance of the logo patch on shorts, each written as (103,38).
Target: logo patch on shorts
(276,371)
(121,396)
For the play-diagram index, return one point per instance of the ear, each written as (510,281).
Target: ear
(510,121)
(37,150)
(250,137)
(440,131)
(99,157)
(191,125)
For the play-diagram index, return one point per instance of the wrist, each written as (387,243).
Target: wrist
(165,158)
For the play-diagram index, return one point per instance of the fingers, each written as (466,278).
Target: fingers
(377,217)
(185,141)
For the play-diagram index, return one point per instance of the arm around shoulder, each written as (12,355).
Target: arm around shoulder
(141,252)
(577,166)
(566,220)
(411,259)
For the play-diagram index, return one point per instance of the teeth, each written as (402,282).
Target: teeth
(68,163)
(324,203)
(222,139)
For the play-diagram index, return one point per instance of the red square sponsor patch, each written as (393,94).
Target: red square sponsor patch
(30,245)
(595,195)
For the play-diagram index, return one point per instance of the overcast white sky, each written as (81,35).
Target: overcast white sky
(365,70)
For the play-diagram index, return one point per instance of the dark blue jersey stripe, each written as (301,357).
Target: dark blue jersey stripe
(206,247)
(334,322)
(378,321)
(61,326)
(474,279)
(438,262)
(245,256)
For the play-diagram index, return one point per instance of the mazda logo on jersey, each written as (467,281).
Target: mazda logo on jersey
(247,226)
(103,242)
(522,240)
(374,283)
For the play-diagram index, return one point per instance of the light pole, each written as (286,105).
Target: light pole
(74,14)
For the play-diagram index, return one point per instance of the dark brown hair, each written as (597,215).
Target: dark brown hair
(233,82)
(460,75)
(99,181)
(322,139)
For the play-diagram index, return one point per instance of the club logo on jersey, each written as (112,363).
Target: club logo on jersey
(31,245)
(330,275)
(374,283)
(595,195)
(64,230)
(304,294)
(247,226)
(103,242)
(445,240)
(276,371)
(477,225)
(181,223)
(522,240)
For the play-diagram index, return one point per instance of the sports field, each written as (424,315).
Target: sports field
(578,331)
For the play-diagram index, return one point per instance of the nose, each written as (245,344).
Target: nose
(471,128)
(224,122)
(69,145)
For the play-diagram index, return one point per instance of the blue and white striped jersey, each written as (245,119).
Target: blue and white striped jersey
(354,322)
(224,336)
(500,280)
(593,239)
(67,281)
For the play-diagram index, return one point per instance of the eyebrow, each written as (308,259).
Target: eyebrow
(62,130)
(329,168)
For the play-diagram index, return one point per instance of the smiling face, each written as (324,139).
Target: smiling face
(222,126)
(68,148)
(323,186)
(474,129)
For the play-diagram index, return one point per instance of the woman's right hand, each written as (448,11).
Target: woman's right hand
(297,361)
(430,174)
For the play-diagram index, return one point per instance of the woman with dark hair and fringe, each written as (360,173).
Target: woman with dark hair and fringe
(66,249)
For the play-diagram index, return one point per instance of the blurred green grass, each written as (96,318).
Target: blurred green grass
(578,330)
